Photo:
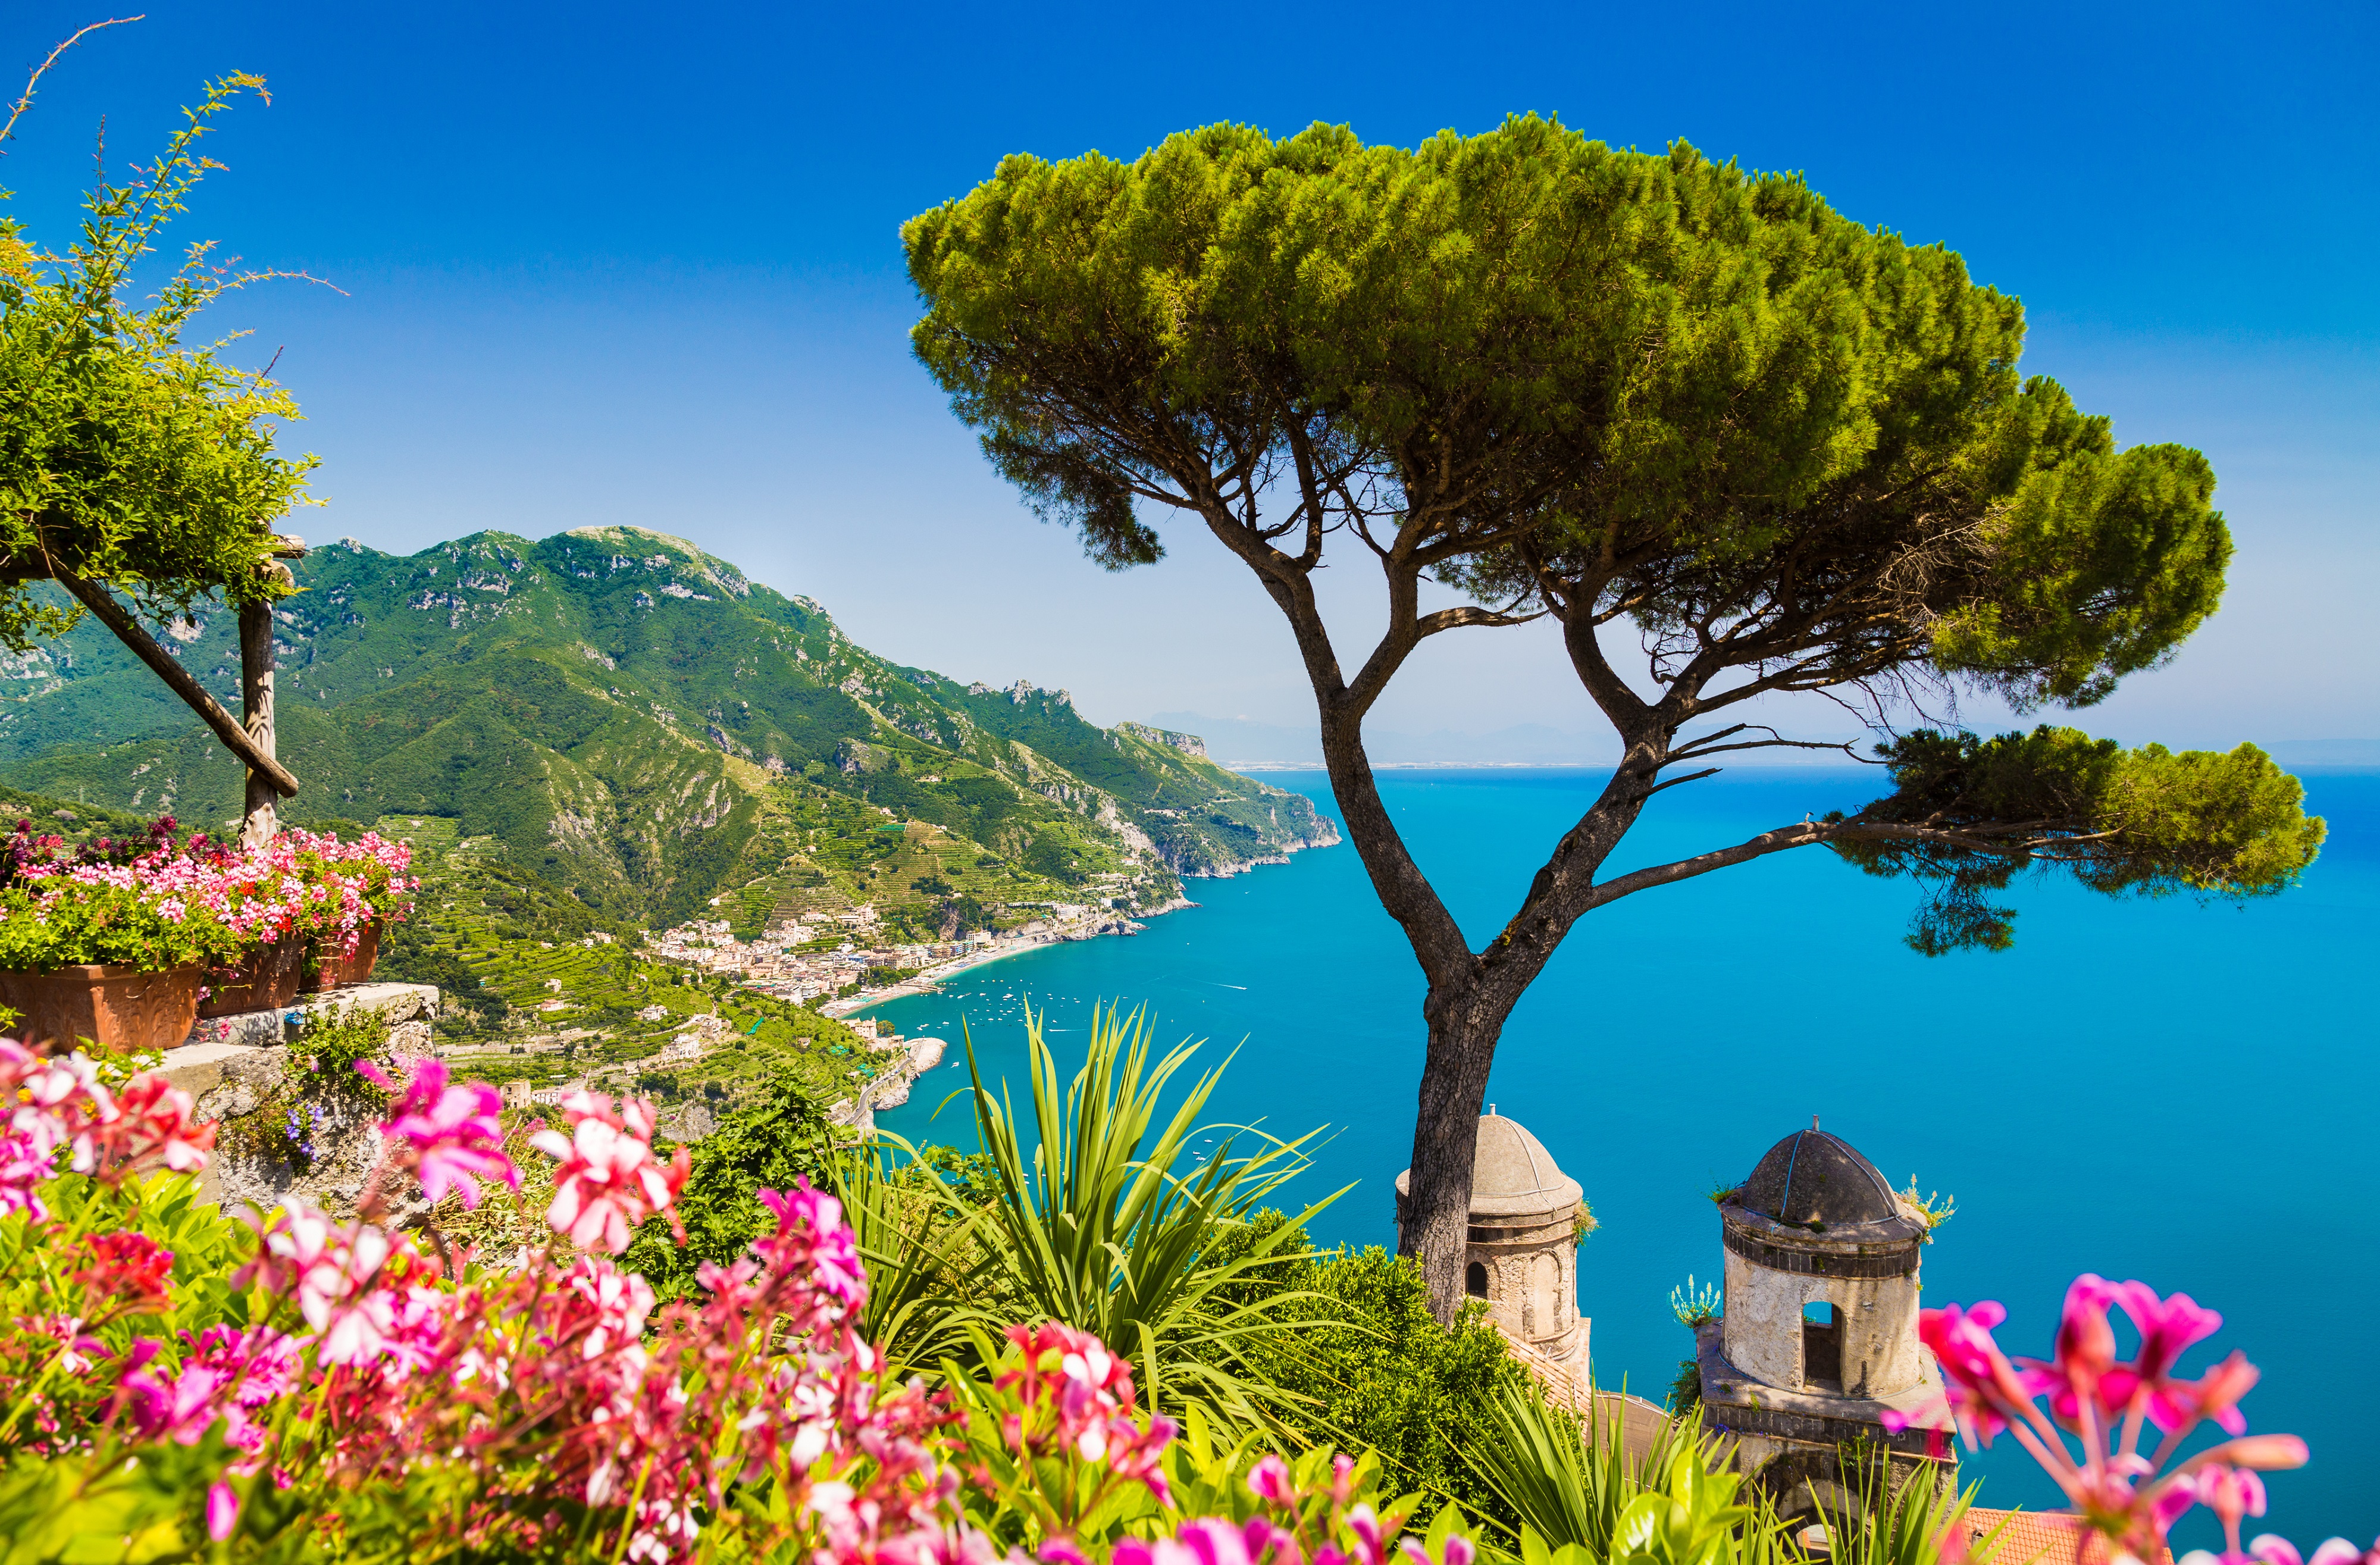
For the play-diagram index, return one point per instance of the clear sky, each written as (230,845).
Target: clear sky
(639,264)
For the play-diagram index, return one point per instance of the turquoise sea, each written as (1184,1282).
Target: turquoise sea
(2179,1093)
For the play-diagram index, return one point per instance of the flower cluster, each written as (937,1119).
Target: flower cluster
(60,1103)
(555,1383)
(1074,1398)
(1293,1522)
(360,882)
(2131,1496)
(214,900)
(552,1408)
(609,1181)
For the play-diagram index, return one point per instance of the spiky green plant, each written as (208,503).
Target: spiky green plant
(1580,1498)
(1906,1526)
(1093,1225)
(921,1253)
(1565,1476)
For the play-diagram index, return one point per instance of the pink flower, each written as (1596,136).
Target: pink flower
(812,1241)
(180,1409)
(2215,1395)
(350,1314)
(76,1351)
(1269,1480)
(449,1136)
(1984,1388)
(609,1181)
(2086,1349)
(2231,1493)
(25,1167)
(2168,1327)
(333,1273)
(617,1302)
(260,1365)
(222,1510)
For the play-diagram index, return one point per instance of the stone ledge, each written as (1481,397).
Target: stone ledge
(1736,1402)
(199,1065)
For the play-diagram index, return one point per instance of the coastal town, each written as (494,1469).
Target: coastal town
(834,966)
(841,960)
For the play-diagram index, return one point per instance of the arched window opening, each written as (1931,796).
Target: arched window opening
(1475,1279)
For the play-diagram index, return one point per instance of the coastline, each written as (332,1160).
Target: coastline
(928,979)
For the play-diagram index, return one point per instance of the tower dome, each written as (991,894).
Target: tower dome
(1512,1174)
(1817,1181)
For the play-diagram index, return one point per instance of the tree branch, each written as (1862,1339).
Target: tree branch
(1804,834)
(127,630)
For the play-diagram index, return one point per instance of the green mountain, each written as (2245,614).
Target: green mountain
(636,721)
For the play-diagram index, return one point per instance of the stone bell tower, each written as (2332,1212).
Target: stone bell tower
(1522,1252)
(1818,1339)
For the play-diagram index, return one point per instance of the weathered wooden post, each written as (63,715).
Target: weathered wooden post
(261,819)
(256,719)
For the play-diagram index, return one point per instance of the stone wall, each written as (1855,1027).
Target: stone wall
(240,1079)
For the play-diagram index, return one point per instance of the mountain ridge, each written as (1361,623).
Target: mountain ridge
(644,723)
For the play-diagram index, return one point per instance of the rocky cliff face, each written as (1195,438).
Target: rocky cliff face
(615,706)
(1188,744)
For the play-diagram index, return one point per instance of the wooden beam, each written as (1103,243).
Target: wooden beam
(127,630)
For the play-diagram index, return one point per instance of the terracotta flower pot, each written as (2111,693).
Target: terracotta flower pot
(267,980)
(328,970)
(114,1007)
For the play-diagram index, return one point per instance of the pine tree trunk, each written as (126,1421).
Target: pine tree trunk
(1435,1213)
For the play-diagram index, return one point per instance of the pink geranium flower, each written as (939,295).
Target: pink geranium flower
(448,1135)
(609,1181)
(332,1272)
(179,1407)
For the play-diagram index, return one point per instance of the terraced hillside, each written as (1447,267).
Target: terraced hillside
(639,722)
(542,992)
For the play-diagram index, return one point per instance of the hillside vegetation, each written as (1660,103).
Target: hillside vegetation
(644,727)
(540,991)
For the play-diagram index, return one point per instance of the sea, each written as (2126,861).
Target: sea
(2161,1089)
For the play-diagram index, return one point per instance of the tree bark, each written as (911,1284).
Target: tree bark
(256,713)
(1435,1217)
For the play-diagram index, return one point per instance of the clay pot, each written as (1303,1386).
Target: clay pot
(120,1008)
(326,970)
(267,980)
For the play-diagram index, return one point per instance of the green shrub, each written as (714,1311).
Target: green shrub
(779,1138)
(1370,1368)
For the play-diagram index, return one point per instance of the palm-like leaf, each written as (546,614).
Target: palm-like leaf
(921,1253)
(1092,1225)
(1904,1527)
(1580,1498)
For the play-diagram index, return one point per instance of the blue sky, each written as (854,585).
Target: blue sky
(640,264)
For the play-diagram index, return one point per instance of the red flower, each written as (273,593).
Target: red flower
(154,1126)
(131,1270)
